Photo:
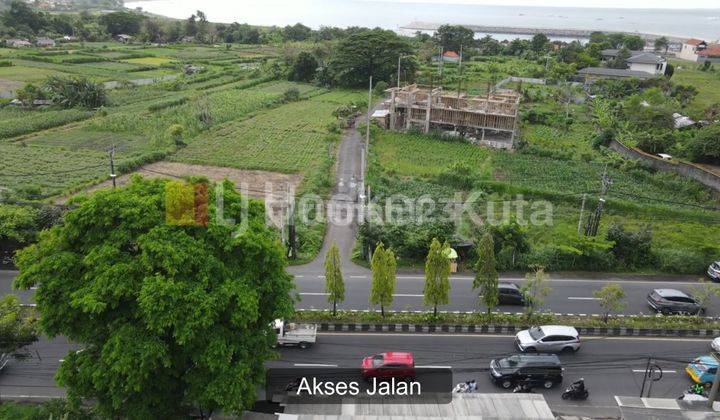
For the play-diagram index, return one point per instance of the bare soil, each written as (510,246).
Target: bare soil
(258,184)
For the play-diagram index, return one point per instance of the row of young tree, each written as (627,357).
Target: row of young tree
(535,288)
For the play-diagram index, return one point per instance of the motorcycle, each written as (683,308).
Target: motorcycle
(465,387)
(576,391)
(524,387)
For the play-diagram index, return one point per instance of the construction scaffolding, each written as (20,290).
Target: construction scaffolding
(428,109)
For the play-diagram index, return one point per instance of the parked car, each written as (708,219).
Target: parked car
(715,345)
(548,338)
(703,370)
(673,302)
(542,370)
(714,271)
(510,294)
(392,364)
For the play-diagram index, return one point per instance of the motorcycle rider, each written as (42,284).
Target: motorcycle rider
(579,385)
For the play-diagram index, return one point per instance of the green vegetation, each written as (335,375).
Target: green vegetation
(334,283)
(146,293)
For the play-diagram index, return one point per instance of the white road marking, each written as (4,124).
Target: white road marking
(313,365)
(406,295)
(299,276)
(434,367)
(358,277)
(663,371)
(313,294)
(506,336)
(582,298)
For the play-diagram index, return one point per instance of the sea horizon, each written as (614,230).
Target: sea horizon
(699,23)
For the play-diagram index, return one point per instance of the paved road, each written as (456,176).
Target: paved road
(610,366)
(568,295)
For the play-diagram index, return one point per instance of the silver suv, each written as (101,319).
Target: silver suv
(548,338)
(673,302)
(714,271)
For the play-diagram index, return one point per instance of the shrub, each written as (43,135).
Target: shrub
(680,261)
(6,63)
(72,92)
(631,249)
(458,175)
(655,142)
(291,95)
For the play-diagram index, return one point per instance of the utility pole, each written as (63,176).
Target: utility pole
(111,153)
(398,75)
(582,210)
(367,128)
(592,228)
(460,69)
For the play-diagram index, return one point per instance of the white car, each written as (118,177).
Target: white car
(548,338)
(715,345)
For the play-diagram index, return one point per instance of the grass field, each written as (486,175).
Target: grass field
(707,82)
(414,164)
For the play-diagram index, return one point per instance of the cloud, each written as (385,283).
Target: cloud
(620,4)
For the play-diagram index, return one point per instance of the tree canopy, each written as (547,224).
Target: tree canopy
(372,52)
(383,267)
(437,275)
(452,37)
(173,313)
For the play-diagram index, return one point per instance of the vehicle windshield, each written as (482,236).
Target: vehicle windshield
(377,360)
(509,361)
(536,333)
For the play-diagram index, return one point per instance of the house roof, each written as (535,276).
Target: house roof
(646,58)
(694,41)
(45,41)
(613,52)
(712,50)
(604,71)
(451,54)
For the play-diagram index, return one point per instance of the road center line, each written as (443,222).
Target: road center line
(406,295)
(434,367)
(663,371)
(313,365)
(313,294)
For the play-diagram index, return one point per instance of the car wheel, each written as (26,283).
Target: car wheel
(506,384)
(548,384)
(304,345)
(530,349)
(568,349)
(665,311)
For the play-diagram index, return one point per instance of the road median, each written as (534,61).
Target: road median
(501,323)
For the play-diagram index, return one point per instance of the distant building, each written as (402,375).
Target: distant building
(69,38)
(691,48)
(711,54)
(640,65)
(448,57)
(648,62)
(123,38)
(612,53)
(45,42)
(17,43)
(187,39)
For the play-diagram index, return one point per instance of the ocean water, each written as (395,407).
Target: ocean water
(700,23)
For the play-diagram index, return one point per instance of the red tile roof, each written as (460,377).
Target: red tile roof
(712,50)
(694,41)
(451,54)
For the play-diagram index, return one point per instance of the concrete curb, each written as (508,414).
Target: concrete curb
(509,330)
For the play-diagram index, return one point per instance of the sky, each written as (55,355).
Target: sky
(634,4)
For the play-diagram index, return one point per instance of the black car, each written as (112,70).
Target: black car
(510,294)
(542,370)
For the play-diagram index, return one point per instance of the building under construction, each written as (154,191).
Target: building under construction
(489,119)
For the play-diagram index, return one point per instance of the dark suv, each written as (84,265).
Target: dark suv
(510,294)
(542,370)
(671,302)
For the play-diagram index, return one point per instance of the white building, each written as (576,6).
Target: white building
(691,48)
(648,63)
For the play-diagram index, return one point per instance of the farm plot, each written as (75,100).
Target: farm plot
(53,171)
(291,138)
(16,122)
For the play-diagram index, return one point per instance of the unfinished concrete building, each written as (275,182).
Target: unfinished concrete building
(490,119)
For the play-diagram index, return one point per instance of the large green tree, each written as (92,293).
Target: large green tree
(173,313)
(371,52)
(452,37)
(486,275)
(122,22)
(383,267)
(437,275)
(334,283)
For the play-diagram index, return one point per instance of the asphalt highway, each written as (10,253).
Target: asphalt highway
(568,295)
(610,366)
